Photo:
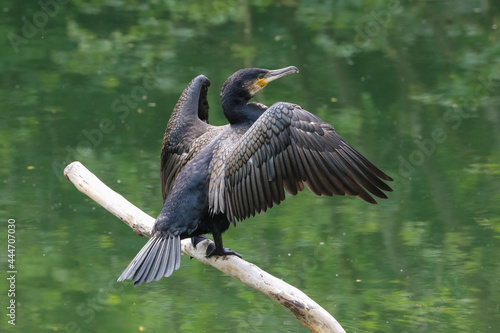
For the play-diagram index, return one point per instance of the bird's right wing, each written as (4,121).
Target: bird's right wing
(189,121)
(284,148)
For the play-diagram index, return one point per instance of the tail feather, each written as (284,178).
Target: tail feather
(159,264)
(158,258)
(143,270)
(177,256)
(129,272)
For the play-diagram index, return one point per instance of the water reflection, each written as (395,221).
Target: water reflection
(424,260)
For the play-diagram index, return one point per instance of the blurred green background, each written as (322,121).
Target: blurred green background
(413,85)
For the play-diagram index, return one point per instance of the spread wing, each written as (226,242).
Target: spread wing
(285,148)
(189,121)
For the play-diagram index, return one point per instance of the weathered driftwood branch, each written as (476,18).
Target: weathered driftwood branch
(308,312)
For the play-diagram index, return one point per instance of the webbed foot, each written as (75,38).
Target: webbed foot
(213,250)
(197,239)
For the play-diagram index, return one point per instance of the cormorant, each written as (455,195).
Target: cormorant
(214,175)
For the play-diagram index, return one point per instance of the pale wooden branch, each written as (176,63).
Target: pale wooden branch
(308,312)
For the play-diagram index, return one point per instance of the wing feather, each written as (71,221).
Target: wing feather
(285,148)
(189,121)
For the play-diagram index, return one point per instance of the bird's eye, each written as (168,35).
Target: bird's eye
(261,76)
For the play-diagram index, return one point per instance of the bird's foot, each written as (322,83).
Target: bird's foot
(197,239)
(213,250)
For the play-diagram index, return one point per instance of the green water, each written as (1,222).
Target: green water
(413,85)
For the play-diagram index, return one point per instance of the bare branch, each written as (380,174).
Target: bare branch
(308,312)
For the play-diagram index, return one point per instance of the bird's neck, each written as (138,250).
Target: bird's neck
(238,110)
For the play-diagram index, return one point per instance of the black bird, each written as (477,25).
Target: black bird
(214,175)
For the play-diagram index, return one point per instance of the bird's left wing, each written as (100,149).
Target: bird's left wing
(189,121)
(286,147)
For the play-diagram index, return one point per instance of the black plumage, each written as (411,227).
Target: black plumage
(214,175)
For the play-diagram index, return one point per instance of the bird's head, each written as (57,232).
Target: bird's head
(247,82)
